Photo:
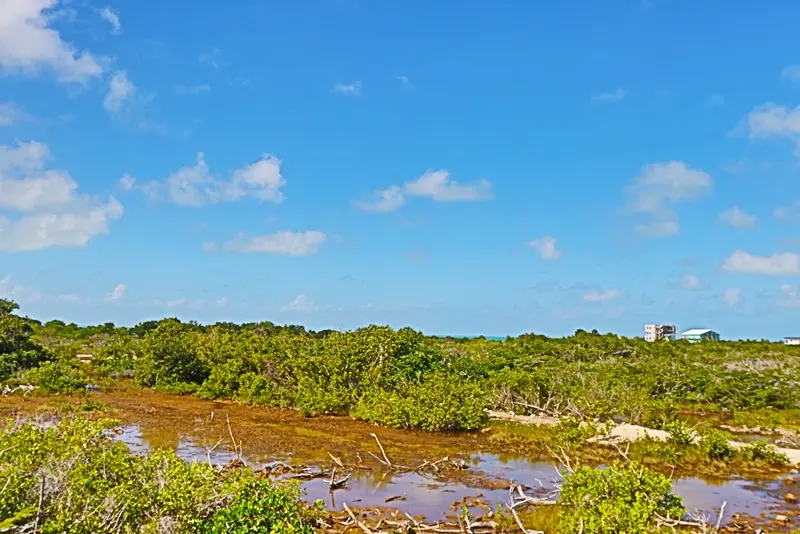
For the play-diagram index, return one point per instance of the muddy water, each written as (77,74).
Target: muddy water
(201,430)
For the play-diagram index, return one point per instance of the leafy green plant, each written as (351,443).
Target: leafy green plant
(572,431)
(679,433)
(261,507)
(761,451)
(625,497)
(715,444)
(56,377)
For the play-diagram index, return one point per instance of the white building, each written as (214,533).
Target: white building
(791,341)
(654,332)
(696,335)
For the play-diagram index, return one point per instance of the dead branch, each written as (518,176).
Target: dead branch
(236,448)
(385,458)
(356,521)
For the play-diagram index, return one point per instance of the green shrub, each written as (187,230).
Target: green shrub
(679,433)
(621,498)
(572,431)
(761,451)
(261,507)
(56,377)
(715,444)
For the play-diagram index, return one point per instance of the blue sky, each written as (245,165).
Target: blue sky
(462,168)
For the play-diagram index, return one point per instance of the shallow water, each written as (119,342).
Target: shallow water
(433,497)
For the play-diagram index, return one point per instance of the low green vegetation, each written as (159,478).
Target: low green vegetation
(73,478)
(625,497)
(405,379)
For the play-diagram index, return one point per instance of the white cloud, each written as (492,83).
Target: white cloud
(602,296)
(54,214)
(404,81)
(16,292)
(772,121)
(384,201)
(616,95)
(117,293)
(10,114)
(28,44)
(127,182)
(213,58)
(120,91)
(691,282)
(284,243)
(790,296)
(657,229)
(715,100)
(738,218)
(195,186)
(546,247)
(193,89)
(437,185)
(789,214)
(659,185)
(110,16)
(348,89)
(304,304)
(732,297)
(779,264)
(791,73)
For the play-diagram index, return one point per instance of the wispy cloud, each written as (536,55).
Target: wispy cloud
(120,92)
(193,89)
(212,58)
(791,73)
(117,293)
(284,243)
(348,89)
(404,81)
(111,16)
(715,100)
(304,304)
(617,95)
(608,295)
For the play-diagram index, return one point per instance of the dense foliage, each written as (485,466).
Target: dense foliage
(625,497)
(402,378)
(73,478)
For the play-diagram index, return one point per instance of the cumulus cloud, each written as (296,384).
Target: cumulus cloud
(738,218)
(602,296)
(617,95)
(691,282)
(433,184)
(284,243)
(196,186)
(778,264)
(127,182)
(304,304)
(732,297)
(772,121)
(658,187)
(437,185)
(348,89)
(110,16)
(28,44)
(383,201)
(53,213)
(120,92)
(117,293)
(546,247)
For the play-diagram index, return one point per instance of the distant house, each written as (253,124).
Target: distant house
(791,341)
(696,335)
(655,332)
(84,358)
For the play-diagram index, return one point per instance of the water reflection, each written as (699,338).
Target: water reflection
(424,494)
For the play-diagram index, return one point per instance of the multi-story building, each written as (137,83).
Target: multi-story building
(654,332)
(695,335)
(791,341)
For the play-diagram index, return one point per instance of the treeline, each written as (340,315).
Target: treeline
(403,378)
